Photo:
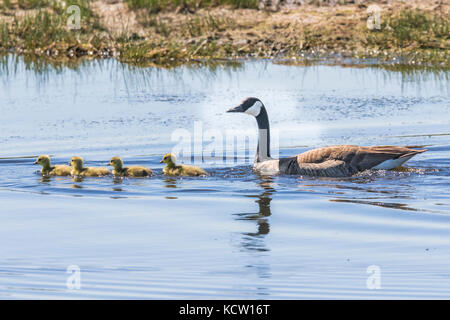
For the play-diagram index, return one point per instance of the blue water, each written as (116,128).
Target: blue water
(232,234)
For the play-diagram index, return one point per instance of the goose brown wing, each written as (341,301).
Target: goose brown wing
(356,158)
(369,157)
(344,153)
(329,168)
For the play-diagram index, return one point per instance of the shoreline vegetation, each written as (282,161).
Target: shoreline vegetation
(169,33)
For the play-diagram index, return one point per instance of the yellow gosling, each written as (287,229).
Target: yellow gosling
(79,170)
(133,171)
(172,169)
(48,169)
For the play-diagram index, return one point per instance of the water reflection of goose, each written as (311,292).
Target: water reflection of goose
(336,161)
(170,183)
(254,240)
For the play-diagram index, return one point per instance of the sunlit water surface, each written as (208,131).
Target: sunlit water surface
(233,234)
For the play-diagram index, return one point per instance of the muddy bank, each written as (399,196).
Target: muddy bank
(412,33)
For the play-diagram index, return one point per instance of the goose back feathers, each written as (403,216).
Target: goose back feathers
(345,160)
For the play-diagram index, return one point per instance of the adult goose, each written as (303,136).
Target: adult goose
(335,161)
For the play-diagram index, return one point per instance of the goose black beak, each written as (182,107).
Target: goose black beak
(161,161)
(239,108)
(35,162)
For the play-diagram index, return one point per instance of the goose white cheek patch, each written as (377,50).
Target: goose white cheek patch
(255,109)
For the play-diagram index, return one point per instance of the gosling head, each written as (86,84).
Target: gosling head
(43,160)
(251,106)
(169,158)
(116,162)
(76,162)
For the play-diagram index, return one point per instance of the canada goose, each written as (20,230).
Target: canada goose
(79,170)
(172,169)
(133,171)
(336,161)
(48,169)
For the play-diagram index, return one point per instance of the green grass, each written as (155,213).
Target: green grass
(168,40)
(84,5)
(40,30)
(415,26)
(160,26)
(158,5)
(40,4)
(412,28)
(142,54)
(5,42)
(32,4)
(196,26)
(6,4)
(192,26)
(46,29)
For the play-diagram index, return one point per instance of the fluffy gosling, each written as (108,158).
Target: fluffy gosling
(79,170)
(172,169)
(133,171)
(48,169)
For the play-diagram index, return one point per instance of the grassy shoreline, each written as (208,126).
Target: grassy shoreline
(172,33)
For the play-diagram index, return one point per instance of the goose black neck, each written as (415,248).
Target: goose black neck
(263,150)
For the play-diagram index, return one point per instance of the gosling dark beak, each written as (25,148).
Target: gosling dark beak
(239,108)
(161,161)
(35,162)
